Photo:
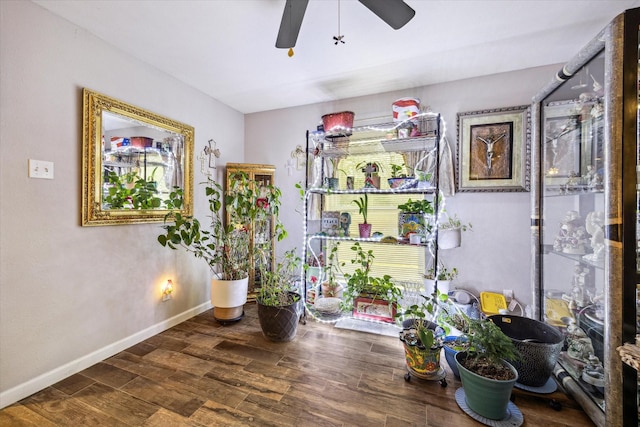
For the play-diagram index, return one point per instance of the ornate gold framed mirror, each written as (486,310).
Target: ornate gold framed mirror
(132,159)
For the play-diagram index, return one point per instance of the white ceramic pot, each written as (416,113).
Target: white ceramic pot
(443,286)
(228,298)
(449,238)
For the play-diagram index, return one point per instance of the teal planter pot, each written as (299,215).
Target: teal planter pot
(486,397)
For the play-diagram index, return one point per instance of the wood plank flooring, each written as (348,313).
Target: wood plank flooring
(200,373)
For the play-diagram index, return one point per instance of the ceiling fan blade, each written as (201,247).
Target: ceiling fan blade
(396,13)
(291,22)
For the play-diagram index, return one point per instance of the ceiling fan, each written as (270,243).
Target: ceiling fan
(396,13)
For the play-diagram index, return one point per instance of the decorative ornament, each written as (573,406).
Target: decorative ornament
(212,151)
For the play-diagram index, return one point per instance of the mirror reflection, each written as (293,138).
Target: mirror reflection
(141,164)
(132,160)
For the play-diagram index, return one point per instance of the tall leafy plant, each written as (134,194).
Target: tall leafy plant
(224,246)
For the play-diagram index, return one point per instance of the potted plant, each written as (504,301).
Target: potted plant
(453,320)
(422,341)
(411,218)
(450,232)
(224,247)
(539,345)
(423,178)
(487,378)
(363,208)
(399,179)
(440,280)
(332,182)
(368,296)
(330,287)
(278,299)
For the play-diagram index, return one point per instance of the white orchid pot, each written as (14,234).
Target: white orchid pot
(228,298)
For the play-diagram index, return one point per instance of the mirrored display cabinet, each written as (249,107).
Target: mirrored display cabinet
(262,230)
(585,218)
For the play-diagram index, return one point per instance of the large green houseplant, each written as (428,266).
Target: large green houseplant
(225,246)
(487,377)
(278,298)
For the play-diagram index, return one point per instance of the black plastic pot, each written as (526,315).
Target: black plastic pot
(539,345)
(280,323)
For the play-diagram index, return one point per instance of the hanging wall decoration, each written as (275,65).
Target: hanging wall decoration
(493,150)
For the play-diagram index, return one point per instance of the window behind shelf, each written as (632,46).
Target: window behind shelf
(403,263)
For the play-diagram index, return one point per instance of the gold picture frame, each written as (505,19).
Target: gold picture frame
(150,158)
(493,151)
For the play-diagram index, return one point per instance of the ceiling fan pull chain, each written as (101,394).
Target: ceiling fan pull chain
(339,37)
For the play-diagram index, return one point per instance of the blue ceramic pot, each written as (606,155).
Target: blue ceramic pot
(450,354)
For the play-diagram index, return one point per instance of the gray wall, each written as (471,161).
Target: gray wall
(71,296)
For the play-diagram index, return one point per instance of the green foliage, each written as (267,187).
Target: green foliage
(361,282)
(363,206)
(422,315)
(423,176)
(487,340)
(224,247)
(131,191)
(396,171)
(417,206)
(443,273)
(276,284)
(449,314)
(333,265)
(454,222)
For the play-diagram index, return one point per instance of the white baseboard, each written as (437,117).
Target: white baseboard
(40,382)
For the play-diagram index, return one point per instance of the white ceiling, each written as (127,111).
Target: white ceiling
(226,48)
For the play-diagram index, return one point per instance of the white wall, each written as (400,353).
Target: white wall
(71,296)
(496,255)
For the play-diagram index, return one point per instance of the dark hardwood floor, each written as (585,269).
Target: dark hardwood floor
(199,373)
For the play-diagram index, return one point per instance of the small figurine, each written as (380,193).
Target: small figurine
(579,346)
(572,236)
(345,222)
(594,225)
(593,372)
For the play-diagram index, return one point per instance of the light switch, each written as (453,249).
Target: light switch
(40,169)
